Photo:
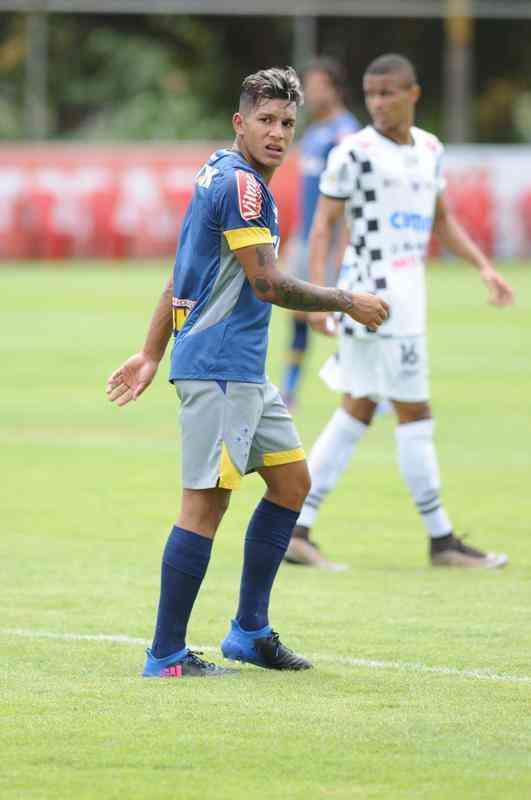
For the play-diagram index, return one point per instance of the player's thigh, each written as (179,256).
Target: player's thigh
(276,440)
(218,420)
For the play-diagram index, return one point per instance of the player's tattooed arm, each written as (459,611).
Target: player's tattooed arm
(280,289)
(135,375)
(273,286)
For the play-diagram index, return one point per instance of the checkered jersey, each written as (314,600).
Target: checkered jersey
(390,192)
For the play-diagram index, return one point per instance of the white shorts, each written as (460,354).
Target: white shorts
(395,368)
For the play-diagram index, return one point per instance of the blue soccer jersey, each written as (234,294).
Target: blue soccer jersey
(314,147)
(220,326)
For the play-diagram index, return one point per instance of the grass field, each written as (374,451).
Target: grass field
(422,685)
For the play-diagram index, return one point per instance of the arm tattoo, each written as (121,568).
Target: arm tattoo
(283,290)
(262,285)
(264,255)
(303,296)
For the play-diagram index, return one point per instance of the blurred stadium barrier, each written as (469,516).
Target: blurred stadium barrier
(80,201)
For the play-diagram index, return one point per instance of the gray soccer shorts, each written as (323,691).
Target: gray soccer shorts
(229,429)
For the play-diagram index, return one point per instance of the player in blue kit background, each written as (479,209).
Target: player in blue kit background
(233,421)
(329,121)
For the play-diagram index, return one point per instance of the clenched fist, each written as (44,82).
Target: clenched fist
(368,309)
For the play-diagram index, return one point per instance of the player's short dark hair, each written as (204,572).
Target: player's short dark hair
(276,83)
(334,71)
(391,64)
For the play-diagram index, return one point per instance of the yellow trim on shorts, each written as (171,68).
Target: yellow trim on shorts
(229,477)
(244,237)
(284,457)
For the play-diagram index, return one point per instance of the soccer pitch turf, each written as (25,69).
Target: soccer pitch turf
(422,679)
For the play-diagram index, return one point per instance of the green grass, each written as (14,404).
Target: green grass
(90,491)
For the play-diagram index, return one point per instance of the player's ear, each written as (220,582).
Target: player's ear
(416,91)
(237,122)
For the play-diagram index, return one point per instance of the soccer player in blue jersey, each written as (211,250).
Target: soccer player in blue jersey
(233,420)
(329,123)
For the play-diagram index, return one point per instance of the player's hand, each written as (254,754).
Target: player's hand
(369,309)
(323,322)
(131,379)
(500,293)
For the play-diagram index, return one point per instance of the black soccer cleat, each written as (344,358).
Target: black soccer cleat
(450,551)
(275,655)
(189,666)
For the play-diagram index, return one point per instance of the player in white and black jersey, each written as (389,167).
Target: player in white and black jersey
(387,179)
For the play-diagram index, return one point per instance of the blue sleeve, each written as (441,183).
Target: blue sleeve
(242,209)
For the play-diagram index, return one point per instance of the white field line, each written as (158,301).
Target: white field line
(364,663)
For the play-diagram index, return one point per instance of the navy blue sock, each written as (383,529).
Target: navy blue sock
(184,563)
(298,347)
(266,542)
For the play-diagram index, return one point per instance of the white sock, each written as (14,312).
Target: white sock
(418,464)
(328,459)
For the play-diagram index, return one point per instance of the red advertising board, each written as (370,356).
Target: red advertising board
(79,201)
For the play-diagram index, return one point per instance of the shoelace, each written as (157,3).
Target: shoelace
(194,657)
(276,639)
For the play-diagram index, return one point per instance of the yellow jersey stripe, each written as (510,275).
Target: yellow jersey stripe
(244,237)
(284,457)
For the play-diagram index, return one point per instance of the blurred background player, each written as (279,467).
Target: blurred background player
(328,122)
(388,178)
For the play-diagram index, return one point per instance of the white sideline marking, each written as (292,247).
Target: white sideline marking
(367,663)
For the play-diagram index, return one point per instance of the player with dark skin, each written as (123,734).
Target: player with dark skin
(391,94)
(391,101)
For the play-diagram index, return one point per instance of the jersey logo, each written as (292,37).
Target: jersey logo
(180,310)
(249,195)
(205,175)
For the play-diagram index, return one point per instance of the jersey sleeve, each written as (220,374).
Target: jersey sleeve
(339,176)
(243,210)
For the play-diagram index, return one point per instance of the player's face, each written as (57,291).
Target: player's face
(390,101)
(266,131)
(319,93)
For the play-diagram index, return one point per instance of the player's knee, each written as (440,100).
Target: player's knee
(302,485)
(360,408)
(412,412)
(224,503)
